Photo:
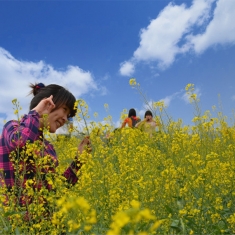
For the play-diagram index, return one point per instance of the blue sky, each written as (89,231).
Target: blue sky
(94,47)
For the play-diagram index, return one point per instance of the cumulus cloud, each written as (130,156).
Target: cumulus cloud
(166,100)
(16,76)
(179,29)
(150,106)
(221,30)
(127,68)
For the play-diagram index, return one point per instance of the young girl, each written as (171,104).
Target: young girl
(20,160)
(148,125)
(131,120)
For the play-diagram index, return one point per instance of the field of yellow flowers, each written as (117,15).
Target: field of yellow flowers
(180,181)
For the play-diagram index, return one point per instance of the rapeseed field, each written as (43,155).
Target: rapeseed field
(179,181)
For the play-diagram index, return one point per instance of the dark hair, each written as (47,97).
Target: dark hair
(148,112)
(132,112)
(61,96)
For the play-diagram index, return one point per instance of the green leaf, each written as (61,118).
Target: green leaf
(175,224)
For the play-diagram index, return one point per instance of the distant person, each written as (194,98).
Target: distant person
(131,120)
(148,125)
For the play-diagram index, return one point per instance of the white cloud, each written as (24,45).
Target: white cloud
(17,75)
(103,90)
(167,101)
(127,68)
(117,124)
(141,113)
(179,29)
(221,30)
(106,77)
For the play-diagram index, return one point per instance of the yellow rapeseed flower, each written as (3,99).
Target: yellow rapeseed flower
(135,204)
(132,81)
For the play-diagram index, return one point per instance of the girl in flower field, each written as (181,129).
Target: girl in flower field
(131,120)
(27,159)
(148,125)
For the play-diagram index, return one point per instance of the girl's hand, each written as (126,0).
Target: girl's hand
(45,106)
(85,144)
(147,119)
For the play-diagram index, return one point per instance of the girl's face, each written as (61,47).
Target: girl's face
(58,118)
(149,118)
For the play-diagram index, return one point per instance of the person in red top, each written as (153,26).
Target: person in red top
(131,120)
(50,109)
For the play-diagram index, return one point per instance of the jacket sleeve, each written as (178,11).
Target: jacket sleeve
(124,123)
(16,134)
(127,121)
(71,172)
